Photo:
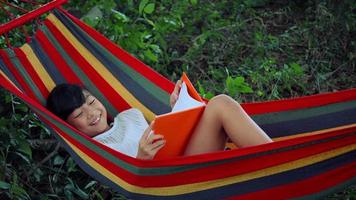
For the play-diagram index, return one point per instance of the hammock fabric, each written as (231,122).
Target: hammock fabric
(314,153)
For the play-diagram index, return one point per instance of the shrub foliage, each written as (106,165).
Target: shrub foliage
(252,50)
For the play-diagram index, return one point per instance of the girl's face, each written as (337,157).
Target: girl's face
(91,117)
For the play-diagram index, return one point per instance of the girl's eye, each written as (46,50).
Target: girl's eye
(78,115)
(92,102)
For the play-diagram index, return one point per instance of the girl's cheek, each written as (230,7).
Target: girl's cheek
(80,124)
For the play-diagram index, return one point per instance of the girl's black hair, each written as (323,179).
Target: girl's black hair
(64,99)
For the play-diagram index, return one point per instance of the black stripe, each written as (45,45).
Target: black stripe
(315,123)
(276,180)
(46,62)
(7,72)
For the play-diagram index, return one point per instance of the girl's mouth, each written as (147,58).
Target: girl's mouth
(95,121)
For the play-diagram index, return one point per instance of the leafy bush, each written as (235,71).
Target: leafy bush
(252,50)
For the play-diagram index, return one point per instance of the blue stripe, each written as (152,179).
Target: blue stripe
(272,181)
(6,71)
(46,62)
(321,122)
(25,76)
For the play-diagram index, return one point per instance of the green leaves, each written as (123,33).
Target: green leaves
(271,53)
(149,8)
(145,7)
(14,190)
(71,189)
(121,17)
(194,2)
(58,160)
(297,69)
(237,85)
(4,185)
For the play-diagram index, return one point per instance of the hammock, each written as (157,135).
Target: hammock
(312,156)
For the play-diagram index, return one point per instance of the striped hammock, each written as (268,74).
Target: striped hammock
(313,153)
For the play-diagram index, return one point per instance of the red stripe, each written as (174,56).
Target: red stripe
(29,68)
(57,59)
(16,74)
(125,57)
(305,187)
(114,98)
(300,102)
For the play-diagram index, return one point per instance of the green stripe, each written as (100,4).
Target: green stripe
(26,77)
(161,95)
(276,117)
(82,76)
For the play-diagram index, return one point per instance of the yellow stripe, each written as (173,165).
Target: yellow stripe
(314,132)
(271,170)
(233,146)
(37,65)
(101,69)
(195,187)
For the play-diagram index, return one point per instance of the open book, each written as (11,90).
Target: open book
(178,125)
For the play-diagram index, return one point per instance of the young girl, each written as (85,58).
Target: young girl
(222,118)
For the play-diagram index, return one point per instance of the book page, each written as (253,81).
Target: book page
(185,101)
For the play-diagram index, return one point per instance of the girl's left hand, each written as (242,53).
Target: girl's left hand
(149,144)
(175,93)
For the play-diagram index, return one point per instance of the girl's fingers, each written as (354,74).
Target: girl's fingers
(174,98)
(157,145)
(148,130)
(177,87)
(154,138)
(175,93)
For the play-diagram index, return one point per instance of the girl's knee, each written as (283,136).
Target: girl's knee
(222,100)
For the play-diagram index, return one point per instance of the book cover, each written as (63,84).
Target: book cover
(178,125)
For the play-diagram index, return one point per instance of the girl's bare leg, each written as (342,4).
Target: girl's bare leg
(224,117)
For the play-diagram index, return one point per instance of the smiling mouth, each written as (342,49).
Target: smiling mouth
(95,121)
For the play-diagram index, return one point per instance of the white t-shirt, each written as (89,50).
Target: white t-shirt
(125,133)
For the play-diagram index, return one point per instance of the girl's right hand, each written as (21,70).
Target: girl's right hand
(149,144)
(174,96)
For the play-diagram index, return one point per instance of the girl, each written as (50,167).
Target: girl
(222,118)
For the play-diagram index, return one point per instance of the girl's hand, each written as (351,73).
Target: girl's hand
(149,144)
(175,93)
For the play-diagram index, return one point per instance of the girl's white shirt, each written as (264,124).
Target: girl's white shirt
(125,133)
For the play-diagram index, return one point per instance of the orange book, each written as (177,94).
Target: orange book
(178,125)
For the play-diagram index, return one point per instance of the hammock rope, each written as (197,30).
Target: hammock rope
(12,16)
(14,6)
(314,154)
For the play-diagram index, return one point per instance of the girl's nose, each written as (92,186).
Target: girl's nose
(90,111)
